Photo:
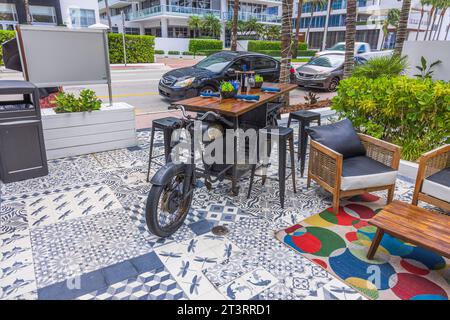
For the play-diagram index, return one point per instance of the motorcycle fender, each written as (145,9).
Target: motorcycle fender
(163,175)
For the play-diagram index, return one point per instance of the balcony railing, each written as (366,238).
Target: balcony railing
(171,10)
(188,11)
(260,17)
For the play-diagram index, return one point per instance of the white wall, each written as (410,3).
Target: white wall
(174,44)
(66,5)
(432,51)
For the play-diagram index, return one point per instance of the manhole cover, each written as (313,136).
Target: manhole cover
(219,230)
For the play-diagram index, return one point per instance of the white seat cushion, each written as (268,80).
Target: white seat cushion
(363,172)
(438,185)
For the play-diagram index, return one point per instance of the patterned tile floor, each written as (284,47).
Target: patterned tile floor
(80,233)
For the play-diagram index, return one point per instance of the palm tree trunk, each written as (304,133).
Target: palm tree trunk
(310,22)
(402,27)
(350,33)
(286,44)
(432,24)
(234,26)
(26,3)
(108,15)
(440,23)
(430,16)
(297,27)
(446,32)
(420,23)
(327,19)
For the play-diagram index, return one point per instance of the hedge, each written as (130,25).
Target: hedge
(188,53)
(174,52)
(258,45)
(277,53)
(412,113)
(5,35)
(140,49)
(196,45)
(159,52)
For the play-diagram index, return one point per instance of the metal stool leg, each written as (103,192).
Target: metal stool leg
(252,176)
(291,151)
(282,169)
(150,153)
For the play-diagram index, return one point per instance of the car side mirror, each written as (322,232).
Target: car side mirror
(231,72)
(361,50)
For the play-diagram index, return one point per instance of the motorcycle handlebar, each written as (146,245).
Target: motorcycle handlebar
(218,117)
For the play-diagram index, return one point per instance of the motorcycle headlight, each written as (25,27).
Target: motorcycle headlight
(184,83)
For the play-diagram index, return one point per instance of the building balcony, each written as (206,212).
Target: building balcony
(260,17)
(169,10)
(113,4)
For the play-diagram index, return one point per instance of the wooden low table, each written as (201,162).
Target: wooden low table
(427,229)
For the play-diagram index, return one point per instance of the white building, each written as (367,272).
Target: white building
(168,18)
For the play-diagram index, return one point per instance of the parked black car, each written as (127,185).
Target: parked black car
(206,75)
(324,72)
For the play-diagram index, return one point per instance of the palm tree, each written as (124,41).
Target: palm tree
(26,3)
(430,16)
(402,27)
(327,19)
(297,27)
(423,3)
(234,27)
(195,24)
(350,33)
(392,19)
(436,8)
(211,24)
(108,15)
(314,5)
(444,4)
(286,43)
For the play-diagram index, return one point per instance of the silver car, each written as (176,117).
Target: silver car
(323,72)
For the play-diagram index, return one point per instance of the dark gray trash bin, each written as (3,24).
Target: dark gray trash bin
(22,149)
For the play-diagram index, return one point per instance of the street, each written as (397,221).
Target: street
(138,86)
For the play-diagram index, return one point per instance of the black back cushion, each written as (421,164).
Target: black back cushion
(340,137)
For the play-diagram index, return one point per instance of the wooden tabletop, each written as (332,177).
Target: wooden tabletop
(410,223)
(233,107)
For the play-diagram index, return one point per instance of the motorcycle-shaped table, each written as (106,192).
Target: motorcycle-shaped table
(170,197)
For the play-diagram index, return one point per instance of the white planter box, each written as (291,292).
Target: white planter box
(71,134)
(408,169)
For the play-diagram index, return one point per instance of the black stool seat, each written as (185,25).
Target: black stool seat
(166,122)
(278,131)
(285,136)
(167,125)
(305,117)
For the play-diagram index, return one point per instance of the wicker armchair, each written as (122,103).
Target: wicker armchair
(430,164)
(326,168)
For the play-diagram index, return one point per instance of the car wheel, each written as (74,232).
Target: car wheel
(208,89)
(332,86)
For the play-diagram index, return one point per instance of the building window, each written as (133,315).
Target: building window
(115,29)
(153,32)
(82,17)
(178,32)
(130,30)
(8,12)
(43,14)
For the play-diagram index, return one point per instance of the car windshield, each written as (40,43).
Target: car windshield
(327,61)
(215,62)
(338,47)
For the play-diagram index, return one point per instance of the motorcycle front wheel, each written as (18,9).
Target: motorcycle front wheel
(167,207)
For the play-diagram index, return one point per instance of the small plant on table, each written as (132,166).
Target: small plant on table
(227,90)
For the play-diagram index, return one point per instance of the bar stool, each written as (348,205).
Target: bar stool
(166,125)
(285,135)
(304,117)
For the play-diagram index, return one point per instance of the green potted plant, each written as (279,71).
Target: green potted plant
(87,101)
(227,90)
(258,81)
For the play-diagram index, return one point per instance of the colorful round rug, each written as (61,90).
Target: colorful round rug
(339,244)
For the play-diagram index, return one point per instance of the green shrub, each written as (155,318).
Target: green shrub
(196,45)
(174,52)
(5,35)
(306,53)
(87,101)
(159,52)
(389,66)
(140,49)
(188,53)
(258,45)
(277,53)
(413,113)
(207,52)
